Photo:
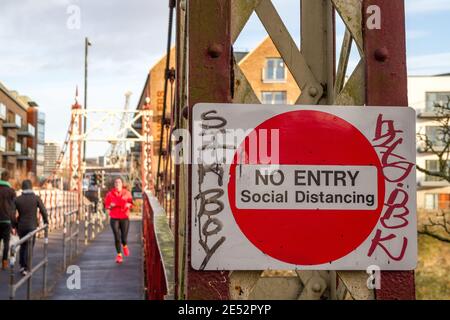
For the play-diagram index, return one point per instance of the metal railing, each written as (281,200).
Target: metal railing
(71,235)
(95,221)
(29,238)
(158,250)
(57,203)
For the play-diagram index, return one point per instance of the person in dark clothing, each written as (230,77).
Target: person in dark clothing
(7,214)
(27,205)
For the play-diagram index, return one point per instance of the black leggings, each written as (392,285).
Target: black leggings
(120,230)
(5,235)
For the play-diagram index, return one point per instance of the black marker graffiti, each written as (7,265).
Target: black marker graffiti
(211,204)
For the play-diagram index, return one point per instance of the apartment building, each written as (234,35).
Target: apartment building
(51,154)
(17,134)
(423,93)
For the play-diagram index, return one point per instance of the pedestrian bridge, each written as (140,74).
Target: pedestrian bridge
(74,256)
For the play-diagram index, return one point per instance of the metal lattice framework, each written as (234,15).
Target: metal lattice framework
(205,74)
(99,131)
(116,155)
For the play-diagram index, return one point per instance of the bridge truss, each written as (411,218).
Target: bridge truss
(207,72)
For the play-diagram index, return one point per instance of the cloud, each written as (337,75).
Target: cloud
(429,64)
(424,6)
(45,60)
(416,34)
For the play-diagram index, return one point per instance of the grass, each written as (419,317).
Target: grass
(433,269)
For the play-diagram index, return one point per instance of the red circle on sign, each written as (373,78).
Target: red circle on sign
(310,237)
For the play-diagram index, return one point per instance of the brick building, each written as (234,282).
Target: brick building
(21,128)
(154,89)
(269,77)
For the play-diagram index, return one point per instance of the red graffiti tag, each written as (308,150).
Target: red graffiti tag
(395,170)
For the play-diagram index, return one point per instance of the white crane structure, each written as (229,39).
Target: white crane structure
(116,156)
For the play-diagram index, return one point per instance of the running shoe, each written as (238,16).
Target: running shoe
(126,252)
(5,264)
(119,258)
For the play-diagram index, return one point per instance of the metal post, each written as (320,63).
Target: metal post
(64,242)
(386,85)
(209,79)
(86,225)
(86,51)
(77,221)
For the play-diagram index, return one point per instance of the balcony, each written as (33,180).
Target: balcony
(10,125)
(27,154)
(434,184)
(27,131)
(12,150)
(431,115)
(423,149)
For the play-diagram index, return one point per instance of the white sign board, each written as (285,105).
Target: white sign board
(303,187)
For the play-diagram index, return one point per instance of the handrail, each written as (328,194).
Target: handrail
(42,264)
(159,250)
(69,235)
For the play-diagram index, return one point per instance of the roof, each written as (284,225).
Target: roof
(239,55)
(21,101)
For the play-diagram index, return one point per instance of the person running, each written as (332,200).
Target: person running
(27,205)
(119,201)
(7,214)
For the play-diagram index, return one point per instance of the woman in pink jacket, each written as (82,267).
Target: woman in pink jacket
(119,201)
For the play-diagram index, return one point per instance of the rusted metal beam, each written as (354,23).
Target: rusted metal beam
(317,45)
(209,80)
(386,85)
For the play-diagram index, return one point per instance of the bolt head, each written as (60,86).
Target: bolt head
(313,92)
(185,112)
(381,54)
(316,287)
(215,50)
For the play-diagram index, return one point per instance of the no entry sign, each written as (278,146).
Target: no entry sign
(302,187)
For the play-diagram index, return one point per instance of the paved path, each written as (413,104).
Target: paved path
(54,271)
(101,277)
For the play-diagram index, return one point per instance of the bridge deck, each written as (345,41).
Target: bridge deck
(101,277)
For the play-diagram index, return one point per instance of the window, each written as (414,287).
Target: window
(433,165)
(440,98)
(434,134)
(275,70)
(2,144)
(41,132)
(18,121)
(274,97)
(18,148)
(40,149)
(31,129)
(2,111)
(41,117)
(30,152)
(431,201)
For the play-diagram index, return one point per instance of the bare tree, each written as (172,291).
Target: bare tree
(438,144)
